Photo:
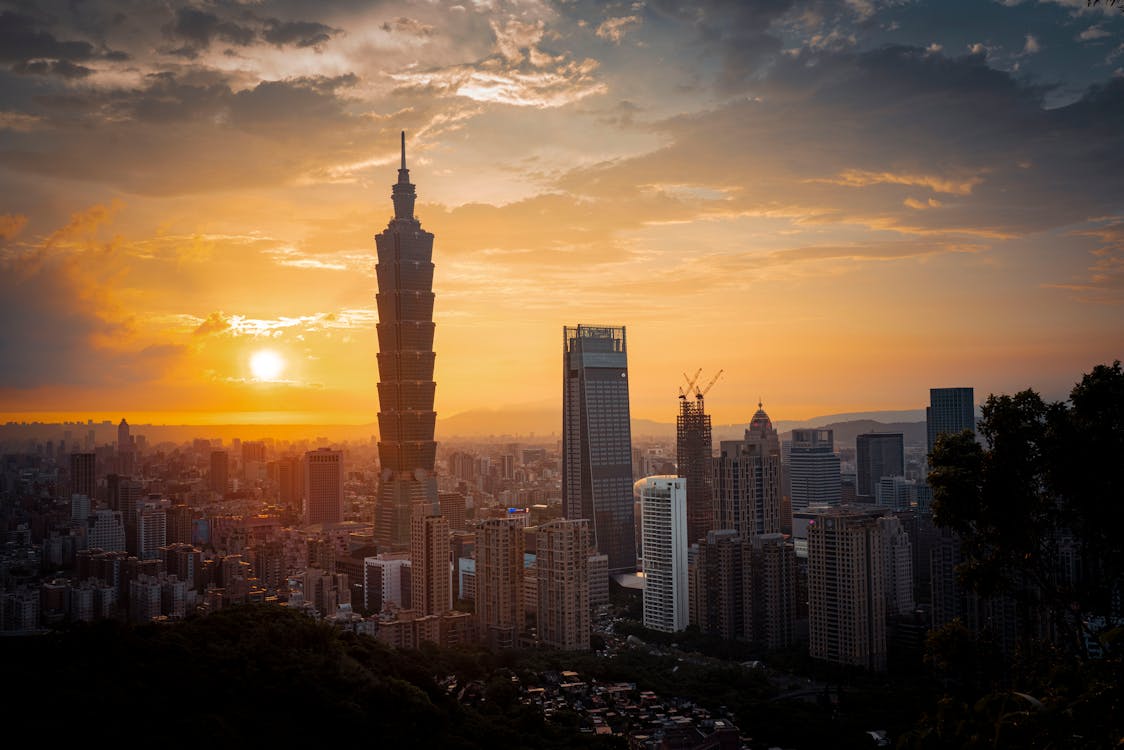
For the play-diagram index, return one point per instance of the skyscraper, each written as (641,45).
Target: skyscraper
(846,588)
(220,471)
(747,481)
(323,486)
(597,439)
(430,576)
(950,410)
(663,513)
(877,455)
(125,448)
(407,483)
(814,468)
(83,476)
(500,610)
(692,458)
(562,567)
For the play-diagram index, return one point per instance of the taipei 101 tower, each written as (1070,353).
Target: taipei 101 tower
(407,484)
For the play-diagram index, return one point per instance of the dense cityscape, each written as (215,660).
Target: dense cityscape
(797,544)
(834,458)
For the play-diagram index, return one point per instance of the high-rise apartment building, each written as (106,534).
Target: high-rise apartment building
(746,590)
(152,529)
(877,455)
(746,481)
(126,450)
(950,410)
(597,439)
(105,530)
(693,448)
(83,474)
(430,575)
(814,469)
(897,557)
(253,459)
(407,483)
(453,507)
(323,486)
(500,612)
(290,481)
(846,588)
(663,514)
(220,471)
(562,567)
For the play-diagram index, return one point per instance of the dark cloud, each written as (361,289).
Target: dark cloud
(61,324)
(20,40)
(297,33)
(896,139)
(201,132)
(63,68)
(405,25)
(200,28)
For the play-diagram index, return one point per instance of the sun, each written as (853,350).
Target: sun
(266,365)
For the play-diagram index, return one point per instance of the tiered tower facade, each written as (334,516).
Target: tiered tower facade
(407,450)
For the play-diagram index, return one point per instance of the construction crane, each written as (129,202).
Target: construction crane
(700,392)
(683,391)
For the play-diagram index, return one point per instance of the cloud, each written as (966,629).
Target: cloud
(1093,32)
(21,41)
(1105,281)
(614,29)
(1032,46)
(62,323)
(519,73)
(297,33)
(11,225)
(863,178)
(63,68)
(410,26)
(199,29)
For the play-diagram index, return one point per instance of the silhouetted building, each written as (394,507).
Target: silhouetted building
(220,471)
(430,575)
(83,474)
(846,588)
(596,439)
(500,611)
(950,410)
(747,481)
(562,567)
(126,451)
(746,590)
(693,450)
(663,513)
(405,330)
(290,481)
(814,469)
(323,486)
(877,455)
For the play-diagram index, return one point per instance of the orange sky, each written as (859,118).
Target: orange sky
(841,205)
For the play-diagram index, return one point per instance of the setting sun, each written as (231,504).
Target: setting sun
(266,365)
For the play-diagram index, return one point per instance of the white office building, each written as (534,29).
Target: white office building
(663,508)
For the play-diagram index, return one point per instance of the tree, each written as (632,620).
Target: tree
(1038,507)
(1038,503)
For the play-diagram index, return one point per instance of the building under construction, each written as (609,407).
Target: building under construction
(693,449)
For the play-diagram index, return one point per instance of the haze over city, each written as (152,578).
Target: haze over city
(839,204)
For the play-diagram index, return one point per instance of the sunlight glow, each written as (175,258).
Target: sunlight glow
(266,365)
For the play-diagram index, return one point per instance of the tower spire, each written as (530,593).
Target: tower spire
(403,192)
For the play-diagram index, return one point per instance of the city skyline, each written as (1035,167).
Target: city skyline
(187,196)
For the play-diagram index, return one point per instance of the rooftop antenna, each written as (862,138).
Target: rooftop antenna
(403,149)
